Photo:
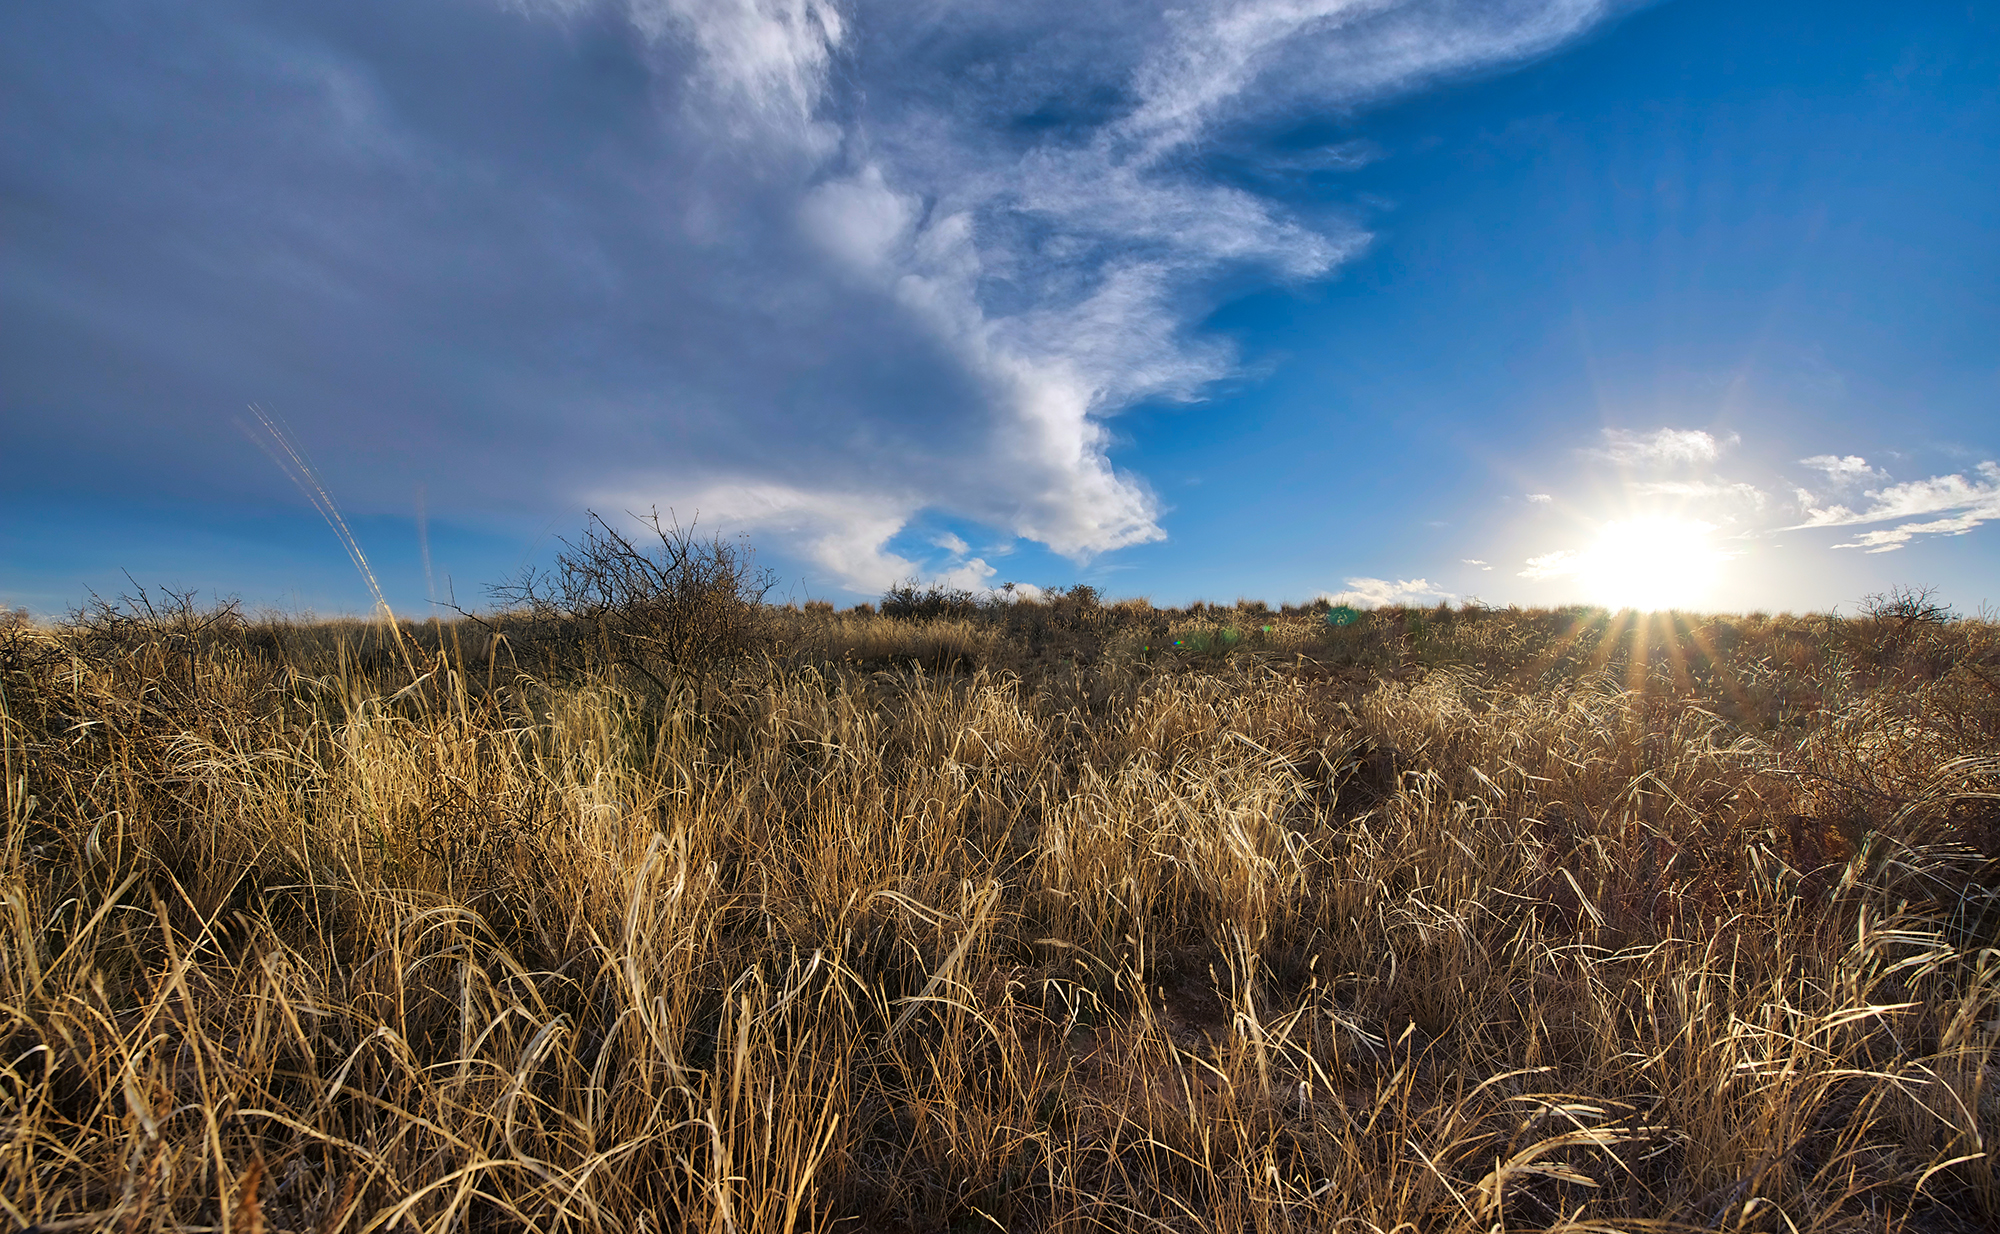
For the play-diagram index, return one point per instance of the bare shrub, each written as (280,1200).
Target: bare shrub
(912,601)
(1908,606)
(673,603)
(1902,632)
(169,620)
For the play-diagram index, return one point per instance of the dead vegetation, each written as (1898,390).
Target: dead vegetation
(1057,916)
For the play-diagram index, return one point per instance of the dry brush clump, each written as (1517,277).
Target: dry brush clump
(1444,920)
(653,603)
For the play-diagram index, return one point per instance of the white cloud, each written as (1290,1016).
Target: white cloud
(1890,540)
(974,575)
(1009,593)
(1843,469)
(858,218)
(850,261)
(1664,447)
(1722,493)
(1560,564)
(1975,501)
(767,58)
(844,533)
(1380,593)
(1541,499)
(1474,561)
(1063,275)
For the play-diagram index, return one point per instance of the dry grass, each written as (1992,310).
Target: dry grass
(1444,921)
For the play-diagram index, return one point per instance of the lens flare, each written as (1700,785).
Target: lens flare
(1653,562)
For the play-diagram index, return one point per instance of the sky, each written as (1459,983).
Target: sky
(1686,304)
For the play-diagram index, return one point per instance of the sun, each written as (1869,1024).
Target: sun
(1652,562)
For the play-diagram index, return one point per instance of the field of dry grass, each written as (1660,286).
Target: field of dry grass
(1061,918)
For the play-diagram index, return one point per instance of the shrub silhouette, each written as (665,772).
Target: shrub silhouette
(667,606)
(911,602)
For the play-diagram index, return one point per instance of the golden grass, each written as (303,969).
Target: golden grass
(1447,921)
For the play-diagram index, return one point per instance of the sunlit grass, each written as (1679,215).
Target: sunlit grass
(1444,920)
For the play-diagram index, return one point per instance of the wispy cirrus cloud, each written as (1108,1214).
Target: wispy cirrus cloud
(1967,502)
(1663,447)
(1713,494)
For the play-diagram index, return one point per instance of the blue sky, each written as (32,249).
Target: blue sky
(1530,301)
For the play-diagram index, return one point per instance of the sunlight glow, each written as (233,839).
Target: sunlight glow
(1652,562)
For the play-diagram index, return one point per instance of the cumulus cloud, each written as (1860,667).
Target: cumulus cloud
(1968,502)
(1383,593)
(1541,499)
(845,534)
(814,268)
(1474,561)
(1661,448)
(859,219)
(971,575)
(1013,593)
